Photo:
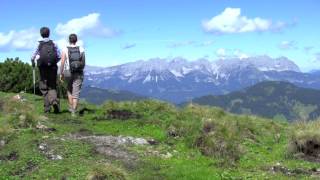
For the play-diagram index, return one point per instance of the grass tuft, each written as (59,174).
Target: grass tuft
(106,171)
(305,139)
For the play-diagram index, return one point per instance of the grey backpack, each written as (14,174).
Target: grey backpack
(75,60)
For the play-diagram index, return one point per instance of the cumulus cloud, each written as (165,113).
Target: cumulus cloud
(231,21)
(286,45)
(128,46)
(86,25)
(221,53)
(231,53)
(239,54)
(27,39)
(19,40)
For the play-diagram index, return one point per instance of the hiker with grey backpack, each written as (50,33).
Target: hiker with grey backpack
(72,71)
(46,56)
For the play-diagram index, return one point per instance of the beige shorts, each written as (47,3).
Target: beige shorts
(74,84)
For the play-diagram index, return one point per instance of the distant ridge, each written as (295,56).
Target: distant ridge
(98,96)
(269,99)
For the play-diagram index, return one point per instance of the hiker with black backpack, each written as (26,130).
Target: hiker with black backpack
(46,56)
(72,65)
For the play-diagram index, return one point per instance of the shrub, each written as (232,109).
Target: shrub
(15,76)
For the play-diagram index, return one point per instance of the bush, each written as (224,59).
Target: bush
(16,76)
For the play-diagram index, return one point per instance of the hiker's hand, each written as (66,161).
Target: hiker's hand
(61,77)
(33,63)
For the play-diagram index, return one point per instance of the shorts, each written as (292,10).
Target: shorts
(74,83)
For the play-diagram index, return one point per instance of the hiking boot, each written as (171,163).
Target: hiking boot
(56,108)
(73,114)
(47,110)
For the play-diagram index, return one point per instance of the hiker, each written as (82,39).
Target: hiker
(47,55)
(72,64)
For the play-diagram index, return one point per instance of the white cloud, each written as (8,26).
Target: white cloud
(19,40)
(27,39)
(129,46)
(241,55)
(231,21)
(231,53)
(286,45)
(221,53)
(180,44)
(86,25)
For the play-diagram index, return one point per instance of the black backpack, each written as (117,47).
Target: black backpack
(48,54)
(75,59)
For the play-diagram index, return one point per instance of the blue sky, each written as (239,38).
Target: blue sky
(119,31)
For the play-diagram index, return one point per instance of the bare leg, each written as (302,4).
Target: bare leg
(70,100)
(75,103)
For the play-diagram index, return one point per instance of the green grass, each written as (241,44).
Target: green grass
(208,143)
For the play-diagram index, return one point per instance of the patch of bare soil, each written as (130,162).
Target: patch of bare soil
(10,157)
(310,151)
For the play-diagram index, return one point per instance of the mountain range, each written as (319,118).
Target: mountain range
(278,100)
(178,80)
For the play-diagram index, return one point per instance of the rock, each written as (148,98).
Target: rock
(114,147)
(44,149)
(152,142)
(45,128)
(18,97)
(55,157)
(167,155)
(172,132)
(111,140)
(2,143)
(22,117)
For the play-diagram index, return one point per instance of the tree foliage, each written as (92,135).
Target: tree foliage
(15,76)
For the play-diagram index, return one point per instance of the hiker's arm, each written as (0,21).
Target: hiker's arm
(83,59)
(33,57)
(63,59)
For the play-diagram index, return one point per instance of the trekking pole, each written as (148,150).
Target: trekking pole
(34,80)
